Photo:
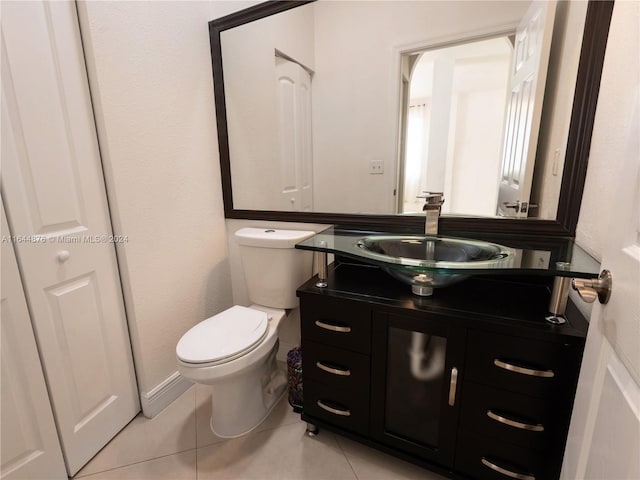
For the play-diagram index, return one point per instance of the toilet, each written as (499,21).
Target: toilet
(235,350)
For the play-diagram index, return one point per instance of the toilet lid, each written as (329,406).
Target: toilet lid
(226,335)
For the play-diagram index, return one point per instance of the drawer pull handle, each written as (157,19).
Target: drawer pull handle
(514,423)
(504,471)
(333,328)
(335,411)
(452,386)
(345,372)
(523,370)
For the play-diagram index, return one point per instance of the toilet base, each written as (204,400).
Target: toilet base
(240,404)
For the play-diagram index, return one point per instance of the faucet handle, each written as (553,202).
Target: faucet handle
(432,198)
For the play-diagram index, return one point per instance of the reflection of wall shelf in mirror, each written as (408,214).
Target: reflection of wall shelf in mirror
(559,259)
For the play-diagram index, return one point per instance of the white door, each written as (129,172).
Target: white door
(55,199)
(30,446)
(524,107)
(293,86)
(604,437)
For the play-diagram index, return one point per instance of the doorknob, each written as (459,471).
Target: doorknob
(63,256)
(590,289)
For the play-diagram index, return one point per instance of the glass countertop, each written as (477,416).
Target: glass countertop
(512,254)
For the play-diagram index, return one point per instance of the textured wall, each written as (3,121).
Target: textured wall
(150,73)
(611,130)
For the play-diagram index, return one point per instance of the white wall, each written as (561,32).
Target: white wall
(621,81)
(150,73)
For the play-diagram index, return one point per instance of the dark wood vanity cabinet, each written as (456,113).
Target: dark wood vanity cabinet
(471,383)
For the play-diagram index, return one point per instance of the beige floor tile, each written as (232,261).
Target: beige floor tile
(371,464)
(283,453)
(180,466)
(282,414)
(172,430)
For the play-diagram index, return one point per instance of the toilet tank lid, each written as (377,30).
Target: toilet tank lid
(270,237)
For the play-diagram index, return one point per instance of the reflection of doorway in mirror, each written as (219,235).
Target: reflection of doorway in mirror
(293,87)
(454,120)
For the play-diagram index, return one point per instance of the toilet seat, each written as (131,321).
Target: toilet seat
(223,337)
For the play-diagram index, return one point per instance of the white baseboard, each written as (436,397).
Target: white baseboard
(160,396)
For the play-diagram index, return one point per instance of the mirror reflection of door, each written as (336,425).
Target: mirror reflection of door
(293,86)
(526,91)
(453,125)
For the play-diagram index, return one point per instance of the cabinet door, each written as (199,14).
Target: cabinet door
(416,377)
(29,446)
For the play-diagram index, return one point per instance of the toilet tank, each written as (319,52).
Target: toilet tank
(273,267)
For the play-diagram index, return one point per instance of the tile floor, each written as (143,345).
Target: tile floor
(178,444)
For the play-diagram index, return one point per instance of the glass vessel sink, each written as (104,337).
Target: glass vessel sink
(437,261)
(427,262)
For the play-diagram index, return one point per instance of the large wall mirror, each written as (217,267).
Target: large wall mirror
(348,111)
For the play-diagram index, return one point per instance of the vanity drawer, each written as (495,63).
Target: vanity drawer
(511,417)
(483,458)
(344,408)
(521,365)
(340,323)
(335,367)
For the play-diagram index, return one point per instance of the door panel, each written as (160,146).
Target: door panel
(524,108)
(617,427)
(293,87)
(30,447)
(56,202)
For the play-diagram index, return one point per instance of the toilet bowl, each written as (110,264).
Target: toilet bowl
(235,350)
(247,380)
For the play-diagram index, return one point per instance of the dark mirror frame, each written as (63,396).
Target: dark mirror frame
(590,65)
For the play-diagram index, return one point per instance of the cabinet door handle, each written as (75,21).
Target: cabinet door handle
(514,423)
(345,372)
(504,471)
(333,328)
(452,386)
(523,370)
(335,411)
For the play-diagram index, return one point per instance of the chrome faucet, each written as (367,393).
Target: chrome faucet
(432,205)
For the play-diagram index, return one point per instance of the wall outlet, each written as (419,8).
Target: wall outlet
(376,167)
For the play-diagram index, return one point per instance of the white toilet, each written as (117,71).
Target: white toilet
(235,350)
